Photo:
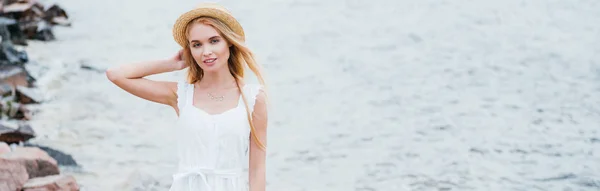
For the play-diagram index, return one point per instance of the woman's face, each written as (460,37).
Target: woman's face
(208,48)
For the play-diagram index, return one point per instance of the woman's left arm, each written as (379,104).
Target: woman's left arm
(258,155)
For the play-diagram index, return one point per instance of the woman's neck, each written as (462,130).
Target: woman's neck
(217,80)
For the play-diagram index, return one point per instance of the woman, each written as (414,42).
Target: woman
(221,120)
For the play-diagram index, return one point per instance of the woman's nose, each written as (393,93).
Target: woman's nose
(207,52)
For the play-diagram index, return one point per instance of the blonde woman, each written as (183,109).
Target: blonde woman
(222,121)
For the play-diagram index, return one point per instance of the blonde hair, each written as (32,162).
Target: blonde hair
(239,56)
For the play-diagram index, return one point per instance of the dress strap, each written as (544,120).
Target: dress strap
(181,93)
(189,98)
(185,94)
(251,91)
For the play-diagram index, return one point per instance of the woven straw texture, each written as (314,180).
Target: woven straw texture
(205,9)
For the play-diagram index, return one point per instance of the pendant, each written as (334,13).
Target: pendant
(218,98)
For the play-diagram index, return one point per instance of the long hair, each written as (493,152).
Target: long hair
(240,56)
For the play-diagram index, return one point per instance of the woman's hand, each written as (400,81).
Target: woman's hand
(177,59)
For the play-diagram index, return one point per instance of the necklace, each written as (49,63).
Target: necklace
(215,98)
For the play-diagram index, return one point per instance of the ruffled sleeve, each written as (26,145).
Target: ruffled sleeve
(252,91)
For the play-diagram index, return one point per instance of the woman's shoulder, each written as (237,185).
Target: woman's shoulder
(253,86)
(253,90)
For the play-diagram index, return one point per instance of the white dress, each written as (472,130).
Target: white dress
(212,149)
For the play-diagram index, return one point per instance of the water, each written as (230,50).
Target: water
(385,95)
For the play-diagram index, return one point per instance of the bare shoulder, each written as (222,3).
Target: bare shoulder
(261,96)
(260,105)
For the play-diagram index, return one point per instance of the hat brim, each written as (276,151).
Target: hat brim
(179,28)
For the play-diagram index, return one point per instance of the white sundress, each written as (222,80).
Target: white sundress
(212,149)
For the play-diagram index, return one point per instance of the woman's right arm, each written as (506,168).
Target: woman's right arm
(130,77)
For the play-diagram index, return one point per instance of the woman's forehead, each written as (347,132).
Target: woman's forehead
(200,31)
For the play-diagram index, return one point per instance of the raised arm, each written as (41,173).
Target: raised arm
(130,77)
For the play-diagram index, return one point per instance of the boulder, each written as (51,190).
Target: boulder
(39,168)
(57,16)
(12,175)
(36,162)
(4,148)
(11,33)
(34,22)
(52,183)
(9,134)
(62,158)
(13,75)
(27,95)
(14,110)
(30,153)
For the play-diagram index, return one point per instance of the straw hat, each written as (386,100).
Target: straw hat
(209,10)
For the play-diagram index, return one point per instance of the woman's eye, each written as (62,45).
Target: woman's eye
(214,41)
(196,44)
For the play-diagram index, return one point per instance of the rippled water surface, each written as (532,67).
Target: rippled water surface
(366,95)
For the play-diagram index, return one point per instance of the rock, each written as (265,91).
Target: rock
(23,133)
(6,90)
(52,183)
(6,128)
(4,148)
(13,104)
(23,7)
(13,110)
(35,161)
(57,16)
(14,75)
(39,168)
(8,2)
(31,153)
(34,22)
(9,134)
(11,33)
(26,129)
(27,95)
(40,30)
(8,109)
(12,175)
(16,35)
(62,158)
(92,68)
(17,57)
(23,11)
(10,55)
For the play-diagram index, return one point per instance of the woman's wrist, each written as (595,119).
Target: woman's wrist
(174,65)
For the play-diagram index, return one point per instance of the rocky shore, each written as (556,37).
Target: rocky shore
(25,166)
